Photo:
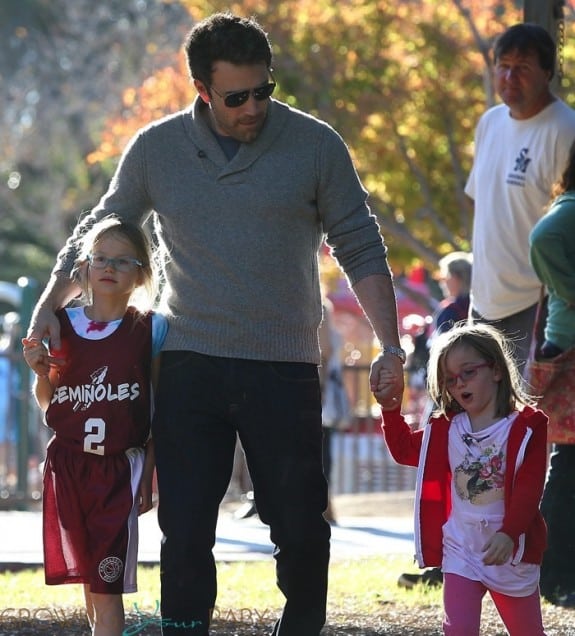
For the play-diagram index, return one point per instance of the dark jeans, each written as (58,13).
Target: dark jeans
(202,402)
(558,509)
(327,454)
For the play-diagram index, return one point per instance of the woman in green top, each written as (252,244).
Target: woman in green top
(552,254)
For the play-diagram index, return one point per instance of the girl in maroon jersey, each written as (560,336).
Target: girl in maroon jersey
(97,397)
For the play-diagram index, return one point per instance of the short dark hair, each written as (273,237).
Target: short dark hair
(528,38)
(228,38)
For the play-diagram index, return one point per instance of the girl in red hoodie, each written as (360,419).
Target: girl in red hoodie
(481,464)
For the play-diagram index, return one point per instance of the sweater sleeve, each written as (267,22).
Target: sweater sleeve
(403,443)
(351,228)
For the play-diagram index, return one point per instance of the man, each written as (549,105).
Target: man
(243,189)
(521,147)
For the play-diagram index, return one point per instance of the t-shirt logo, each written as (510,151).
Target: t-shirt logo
(97,377)
(522,161)
(516,177)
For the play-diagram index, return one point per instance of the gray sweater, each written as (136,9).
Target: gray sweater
(242,236)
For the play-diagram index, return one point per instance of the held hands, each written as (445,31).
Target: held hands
(498,550)
(386,381)
(38,358)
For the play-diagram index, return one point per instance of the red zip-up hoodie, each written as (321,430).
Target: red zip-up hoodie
(427,448)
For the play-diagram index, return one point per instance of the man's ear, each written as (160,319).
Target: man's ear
(202,91)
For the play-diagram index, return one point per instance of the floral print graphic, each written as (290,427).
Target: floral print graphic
(479,478)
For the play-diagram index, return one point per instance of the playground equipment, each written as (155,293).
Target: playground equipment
(18,416)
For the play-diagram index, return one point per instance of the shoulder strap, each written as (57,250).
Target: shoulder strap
(537,326)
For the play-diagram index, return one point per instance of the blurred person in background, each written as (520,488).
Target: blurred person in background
(455,282)
(336,409)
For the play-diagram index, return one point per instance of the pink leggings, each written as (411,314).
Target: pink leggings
(462,603)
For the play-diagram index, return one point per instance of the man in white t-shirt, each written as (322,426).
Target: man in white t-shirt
(521,149)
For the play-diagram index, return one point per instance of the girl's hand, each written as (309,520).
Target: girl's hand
(145,501)
(498,550)
(37,356)
(386,389)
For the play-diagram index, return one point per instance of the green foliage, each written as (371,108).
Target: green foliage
(355,587)
(404,83)
(23,252)
(62,69)
(400,84)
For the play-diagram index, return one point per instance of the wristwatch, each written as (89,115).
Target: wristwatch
(396,351)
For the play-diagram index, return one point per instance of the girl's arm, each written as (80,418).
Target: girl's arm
(145,490)
(403,443)
(44,387)
(39,360)
(145,493)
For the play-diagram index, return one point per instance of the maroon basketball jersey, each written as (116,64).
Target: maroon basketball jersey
(102,402)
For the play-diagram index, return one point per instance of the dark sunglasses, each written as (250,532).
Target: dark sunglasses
(237,98)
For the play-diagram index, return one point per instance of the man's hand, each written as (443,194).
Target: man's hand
(44,323)
(386,381)
(38,358)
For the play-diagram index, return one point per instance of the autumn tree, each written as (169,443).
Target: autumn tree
(404,83)
(63,66)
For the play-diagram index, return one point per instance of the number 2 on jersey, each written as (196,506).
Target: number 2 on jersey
(96,429)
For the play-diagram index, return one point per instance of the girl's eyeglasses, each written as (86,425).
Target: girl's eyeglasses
(467,374)
(237,98)
(121,264)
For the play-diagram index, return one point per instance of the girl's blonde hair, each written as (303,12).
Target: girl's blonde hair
(145,293)
(495,349)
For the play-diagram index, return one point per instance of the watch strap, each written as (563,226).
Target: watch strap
(396,351)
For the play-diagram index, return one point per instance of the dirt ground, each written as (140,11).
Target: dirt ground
(392,620)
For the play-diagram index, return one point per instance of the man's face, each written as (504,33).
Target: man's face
(245,121)
(522,84)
